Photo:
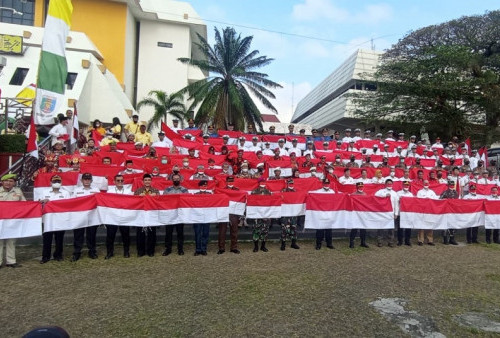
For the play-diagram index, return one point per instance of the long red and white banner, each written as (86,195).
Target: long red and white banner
(422,213)
(20,219)
(342,211)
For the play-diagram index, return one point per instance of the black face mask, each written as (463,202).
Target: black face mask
(177,183)
(352,160)
(176,171)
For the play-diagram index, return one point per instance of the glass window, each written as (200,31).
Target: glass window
(70,80)
(23,14)
(19,76)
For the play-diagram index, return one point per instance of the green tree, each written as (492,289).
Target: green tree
(163,105)
(224,97)
(444,77)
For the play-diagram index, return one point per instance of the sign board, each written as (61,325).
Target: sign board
(11,44)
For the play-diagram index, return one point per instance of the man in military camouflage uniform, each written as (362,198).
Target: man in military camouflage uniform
(289,224)
(450,193)
(261,225)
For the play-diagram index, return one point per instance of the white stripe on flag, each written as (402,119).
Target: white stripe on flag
(463,221)
(263,212)
(56,221)
(162,217)
(293,210)
(56,31)
(372,220)
(327,219)
(20,227)
(492,221)
(203,215)
(237,208)
(415,220)
(122,217)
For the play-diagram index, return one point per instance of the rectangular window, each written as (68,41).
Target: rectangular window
(17,12)
(70,80)
(165,44)
(19,76)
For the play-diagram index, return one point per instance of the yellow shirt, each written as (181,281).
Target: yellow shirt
(106,141)
(9,131)
(145,138)
(132,127)
(116,129)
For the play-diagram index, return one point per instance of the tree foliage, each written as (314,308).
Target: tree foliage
(445,77)
(163,105)
(224,97)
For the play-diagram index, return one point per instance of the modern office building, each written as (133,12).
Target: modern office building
(327,105)
(133,44)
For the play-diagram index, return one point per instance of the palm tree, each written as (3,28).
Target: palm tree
(224,97)
(163,105)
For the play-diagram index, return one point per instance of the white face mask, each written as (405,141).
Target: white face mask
(389,188)
(426,187)
(244,170)
(393,174)
(406,189)
(203,189)
(56,185)
(262,185)
(337,160)
(230,185)
(330,171)
(164,161)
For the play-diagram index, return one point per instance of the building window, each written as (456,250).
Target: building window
(19,76)
(11,13)
(70,80)
(165,44)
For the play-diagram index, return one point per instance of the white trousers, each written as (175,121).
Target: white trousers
(10,250)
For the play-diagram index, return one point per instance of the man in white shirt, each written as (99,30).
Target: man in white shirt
(55,193)
(281,147)
(162,141)
(471,233)
(255,146)
(437,144)
(267,150)
(85,190)
(326,234)
(347,179)
(59,131)
(426,192)
(112,229)
(347,138)
(496,238)
(294,148)
(407,232)
(388,192)
(357,135)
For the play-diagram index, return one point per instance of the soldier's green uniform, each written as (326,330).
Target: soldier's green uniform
(289,225)
(261,225)
(449,234)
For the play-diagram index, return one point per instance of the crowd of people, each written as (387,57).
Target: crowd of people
(354,159)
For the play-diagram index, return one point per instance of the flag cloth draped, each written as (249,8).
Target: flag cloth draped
(264,206)
(53,68)
(32,146)
(492,214)
(20,219)
(76,126)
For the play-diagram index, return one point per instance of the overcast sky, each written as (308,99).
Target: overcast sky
(333,30)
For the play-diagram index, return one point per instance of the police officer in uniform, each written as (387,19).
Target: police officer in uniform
(261,225)
(289,224)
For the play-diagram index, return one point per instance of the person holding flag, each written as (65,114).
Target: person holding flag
(362,232)
(261,225)
(289,224)
(59,131)
(450,193)
(326,234)
(9,192)
(388,192)
(405,192)
(471,233)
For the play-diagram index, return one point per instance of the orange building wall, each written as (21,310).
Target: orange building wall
(104,23)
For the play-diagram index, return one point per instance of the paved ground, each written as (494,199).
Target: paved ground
(297,292)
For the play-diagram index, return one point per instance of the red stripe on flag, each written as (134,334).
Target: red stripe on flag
(328,202)
(264,200)
(84,203)
(20,209)
(370,203)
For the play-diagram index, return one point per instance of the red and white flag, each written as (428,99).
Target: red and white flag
(76,126)
(293,204)
(123,210)
(370,212)
(203,208)
(43,183)
(237,200)
(492,214)
(263,206)
(20,219)
(32,146)
(70,214)
(328,211)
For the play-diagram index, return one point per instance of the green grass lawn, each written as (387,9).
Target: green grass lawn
(294,293)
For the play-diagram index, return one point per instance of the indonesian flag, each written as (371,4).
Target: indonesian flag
(20,219)
(42,183)
(170,135)
(293,204)
(301,142)
(76,126)
(492,214)
(32,146)
(123,210)
(483,153)
(468,146)
(263,206)
(237,200)
(327,211)
(233,136)
(423,213)
(285,166)
(203,208)
(70,214)
(370,212)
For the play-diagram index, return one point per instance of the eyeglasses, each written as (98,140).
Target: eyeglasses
(119,180)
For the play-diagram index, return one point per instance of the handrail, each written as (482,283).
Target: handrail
(26,166)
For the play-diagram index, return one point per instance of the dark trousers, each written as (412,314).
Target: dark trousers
(496,238)
(362,235)
(146,241)
(471,234)
(47,244)
(326,234)
(169,231)
(233,232)
(402,233)
(78,237)
(91,234)
(111,235)
(201,234)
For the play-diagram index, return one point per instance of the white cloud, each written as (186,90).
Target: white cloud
(312,10)
(286,99)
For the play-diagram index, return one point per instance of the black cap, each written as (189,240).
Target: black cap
(203,183)
(87,176)
(230,179)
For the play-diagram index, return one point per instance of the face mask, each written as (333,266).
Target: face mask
(262,185)
(476,176)
(330,171)
(230,185)
(185,164)
(337,160)
(260,170)
(164,161)
(203,189)
(352,160)
(201,172)
(385,162)
(97,124)
(176,171)
(110,137)
(326,187)
(360,190)
(244,170)
(389,188)
(367,160)
(177,183)
(406,189)
(393,174)
(56,185)
(402,160)
(426,186)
